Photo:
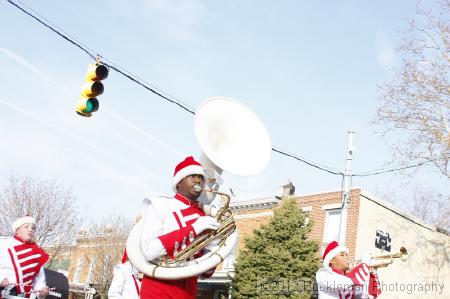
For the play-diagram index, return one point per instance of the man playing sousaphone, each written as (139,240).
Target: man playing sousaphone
(334,280)
(169,224)
(22,262)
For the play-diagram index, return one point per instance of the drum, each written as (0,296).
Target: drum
(58,284)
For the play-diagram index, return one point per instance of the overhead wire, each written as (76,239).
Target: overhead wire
(70,91)
(52,29)
(76,41)
(149,84)
(371,173)
(110,65)
(323,168)
(174,100)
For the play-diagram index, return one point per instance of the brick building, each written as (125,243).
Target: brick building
(372,225)
(89,262)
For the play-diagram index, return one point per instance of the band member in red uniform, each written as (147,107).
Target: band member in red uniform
(172,223)
(334,280)
(126,283)
(22,261)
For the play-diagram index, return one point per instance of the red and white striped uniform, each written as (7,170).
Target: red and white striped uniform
(22,264)
(356,284)
(170,221)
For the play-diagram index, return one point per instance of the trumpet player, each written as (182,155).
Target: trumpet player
(336,280)
(172,223)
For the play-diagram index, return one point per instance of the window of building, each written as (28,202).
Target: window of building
(331,232)
(307,211)
(76,277)
(91,271)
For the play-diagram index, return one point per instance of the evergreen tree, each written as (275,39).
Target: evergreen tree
(278,261)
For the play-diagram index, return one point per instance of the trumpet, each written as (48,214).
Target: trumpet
(382,261)
(227,226)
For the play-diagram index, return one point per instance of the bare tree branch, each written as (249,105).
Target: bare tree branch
(417,102)
(107,238)
(51,203)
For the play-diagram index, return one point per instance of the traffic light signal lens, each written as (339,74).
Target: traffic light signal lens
(91,105)
(101,72)
(92,89)
(97,88)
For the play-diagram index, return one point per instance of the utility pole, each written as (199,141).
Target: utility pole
(346,190)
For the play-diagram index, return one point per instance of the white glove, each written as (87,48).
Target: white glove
(210,210)
(4,282)
(367,258)
(204,223)
(213,244)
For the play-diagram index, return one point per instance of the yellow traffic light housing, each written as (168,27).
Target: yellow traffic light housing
(88,102)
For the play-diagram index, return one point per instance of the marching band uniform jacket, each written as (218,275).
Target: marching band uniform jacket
(22,264)
(167,229)
(125,283)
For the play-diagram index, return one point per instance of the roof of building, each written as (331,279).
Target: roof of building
(269,202)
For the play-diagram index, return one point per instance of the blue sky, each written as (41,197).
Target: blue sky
(308,69)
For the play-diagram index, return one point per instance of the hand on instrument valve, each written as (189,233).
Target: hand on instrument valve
(43,292)
(367,258)
(210,210)
(213,244)
(205,222)
(4,283)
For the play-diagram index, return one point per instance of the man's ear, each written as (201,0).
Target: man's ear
(332,262)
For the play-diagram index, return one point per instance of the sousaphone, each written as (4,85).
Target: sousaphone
(234,139)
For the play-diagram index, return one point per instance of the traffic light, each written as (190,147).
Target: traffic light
(88,102)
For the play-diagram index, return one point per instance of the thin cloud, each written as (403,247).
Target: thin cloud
(146,134)
(385,51)
(21,61)
(81,140)
(177,20)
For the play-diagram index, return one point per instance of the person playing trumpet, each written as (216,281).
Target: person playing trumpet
(172,223)
(334,280)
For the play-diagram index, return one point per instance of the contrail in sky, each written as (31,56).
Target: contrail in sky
(21,61)
(32,68)
(157,140)
(81,140)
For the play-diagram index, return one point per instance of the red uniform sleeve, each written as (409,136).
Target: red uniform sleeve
(173,241)
(374,285)
(359,275)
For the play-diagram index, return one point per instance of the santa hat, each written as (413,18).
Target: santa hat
(186,168)
(124,257)
(27,219)
(331,251)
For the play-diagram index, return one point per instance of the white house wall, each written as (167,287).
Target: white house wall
(426,273)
